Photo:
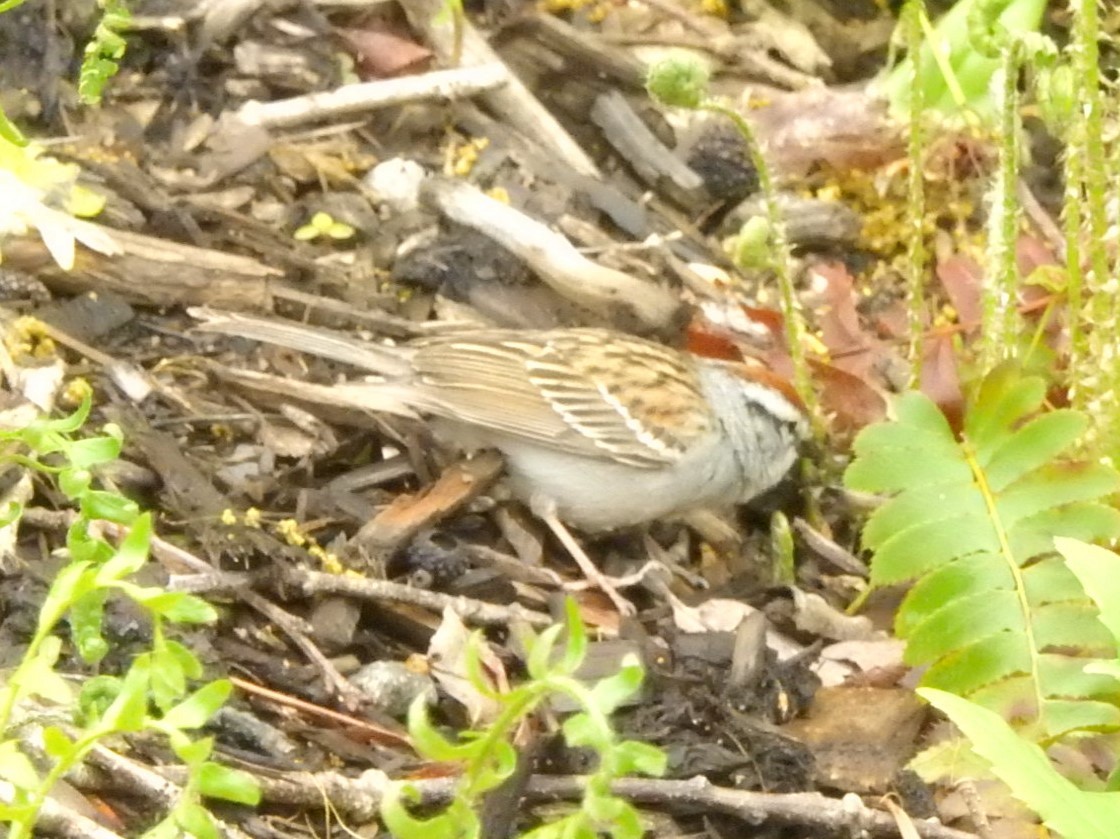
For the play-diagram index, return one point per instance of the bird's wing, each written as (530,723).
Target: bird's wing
(590,392)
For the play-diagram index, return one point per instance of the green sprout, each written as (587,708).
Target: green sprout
(153,694)
(960,56)
(104,52)
(488,758)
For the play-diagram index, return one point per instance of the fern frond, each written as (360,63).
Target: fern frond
(993,611)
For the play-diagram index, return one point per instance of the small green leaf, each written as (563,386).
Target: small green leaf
(611,692)
(918,550)
(885,452)
(575,647)
(1089,522)
(965,670)
(75,483)
(67,424)
(13,512)
(86,548)
(1063,716)
(920,505)
(625,823)
(196,820)
(192,752)
(128,711)
(1074,625)
(427,741)
(965,620)
(1050,488)
(580,730)
(198,708)
(131,554)
(600,805)
(70,584)
(219,781)
(37,676)
(404,825)
(537,662)
(102,55)
(974,572)
(472,664)
(186,661)
(56,743)
(492,768)
(110,506)
(1050,580)
(93,451)
(16,767)
(752,248)
(168,680)
(166,829)
(1005,398)
(340,230)
(9,132)
(636,757)
(175,606)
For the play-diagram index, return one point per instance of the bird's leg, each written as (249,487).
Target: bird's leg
(590,571)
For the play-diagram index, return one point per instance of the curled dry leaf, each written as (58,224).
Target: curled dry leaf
(447,654)
(850,402)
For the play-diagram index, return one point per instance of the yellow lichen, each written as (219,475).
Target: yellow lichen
(76,392)
(461,159)
(27,338)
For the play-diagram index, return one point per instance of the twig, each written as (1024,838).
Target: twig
(373,731)
(846,816)
(552,256)
(365,96)
(484,614)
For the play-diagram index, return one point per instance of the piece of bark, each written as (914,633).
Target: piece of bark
(588,50)
(152,272)
(408,515)
(645,153)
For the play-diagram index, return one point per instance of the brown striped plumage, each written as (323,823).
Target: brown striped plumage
(601,428)
(590,392)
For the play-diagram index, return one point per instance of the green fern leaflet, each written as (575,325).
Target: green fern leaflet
(993,611)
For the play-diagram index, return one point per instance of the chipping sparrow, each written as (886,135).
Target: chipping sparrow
(599,429)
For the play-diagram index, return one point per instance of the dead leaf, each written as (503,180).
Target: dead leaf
(447,654)
(963,279)
(380,52)
(850,401)
(842,331)
(940,379)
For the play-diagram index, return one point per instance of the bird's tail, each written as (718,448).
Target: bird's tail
(390,362)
